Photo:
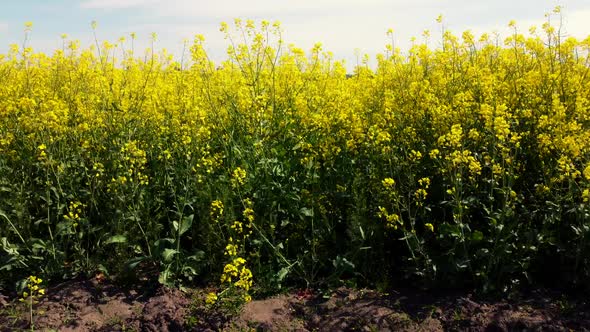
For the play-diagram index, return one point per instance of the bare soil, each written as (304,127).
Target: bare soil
(98,305)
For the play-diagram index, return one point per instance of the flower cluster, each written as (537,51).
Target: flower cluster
(34,290)
(75,210)
(236,274)
(216,210)
(238,177)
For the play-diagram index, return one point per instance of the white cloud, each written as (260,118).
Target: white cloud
(3,26)
(576,24)
(232,8)
(268,8)
(115,4)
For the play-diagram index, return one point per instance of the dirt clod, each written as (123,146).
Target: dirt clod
(164,312)
(97,305)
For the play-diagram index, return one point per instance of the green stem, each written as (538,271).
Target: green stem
(31,313)
(48,197)
(14,228)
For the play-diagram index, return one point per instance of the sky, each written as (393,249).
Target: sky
(344,27)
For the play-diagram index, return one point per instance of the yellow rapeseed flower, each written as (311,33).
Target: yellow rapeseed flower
(211,298)
(388,183)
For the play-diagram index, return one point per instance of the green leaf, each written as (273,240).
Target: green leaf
(165,276)
(163,241)
(450,230)
(197,256)
(40,245)
(341,262)
(186,224)
(21,284)
(62,227)
(282,274)
(133,262)
(168,254)
(116,239)
(189,271)
(102,269)
(306,212)
(477,236)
